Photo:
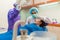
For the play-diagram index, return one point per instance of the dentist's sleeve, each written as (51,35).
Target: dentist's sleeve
(13,13)
(28,21)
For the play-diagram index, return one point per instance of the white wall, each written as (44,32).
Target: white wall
(5,5)
(51,11)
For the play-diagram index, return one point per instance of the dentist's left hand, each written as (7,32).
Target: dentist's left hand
(18,7)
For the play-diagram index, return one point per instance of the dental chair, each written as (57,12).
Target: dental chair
(16,27)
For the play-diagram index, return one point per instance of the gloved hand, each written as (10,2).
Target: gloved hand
(18,7)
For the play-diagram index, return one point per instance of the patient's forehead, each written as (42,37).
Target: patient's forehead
(37,19)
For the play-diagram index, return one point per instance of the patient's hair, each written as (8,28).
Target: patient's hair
(43,24)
